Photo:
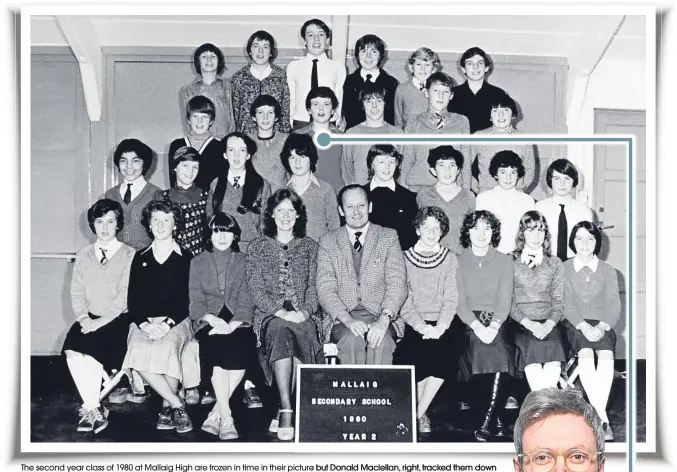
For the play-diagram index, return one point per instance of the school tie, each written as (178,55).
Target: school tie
(357,244)
(440,121)
(562,233)
(128,194)
(236,184)
(104,259)
(369,79)
(313,76)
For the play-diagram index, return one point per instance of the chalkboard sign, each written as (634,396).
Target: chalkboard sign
(355,404)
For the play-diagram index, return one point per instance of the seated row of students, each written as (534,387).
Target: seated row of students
(233,97)
(273,302)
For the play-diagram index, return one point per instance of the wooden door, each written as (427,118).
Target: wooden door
(610,191)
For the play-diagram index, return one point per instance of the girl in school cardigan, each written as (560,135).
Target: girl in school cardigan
(98,338)
(592,308)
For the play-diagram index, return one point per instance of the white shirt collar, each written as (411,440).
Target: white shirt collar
(592,265)
(417,83)
(240,181)
(557,200)
(420,248)
(137,185)
(313,180)
(363,236)
(375,183)
(374,74)
(532,258)
(260,75)
(321,57)
(111,248)
(175,247)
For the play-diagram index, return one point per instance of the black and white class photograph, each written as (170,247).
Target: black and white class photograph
(202,271)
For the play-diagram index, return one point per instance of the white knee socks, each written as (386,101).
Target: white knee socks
(87,373)
(551,373)
(542,376)
(597,382)
(605,377)
(534,374)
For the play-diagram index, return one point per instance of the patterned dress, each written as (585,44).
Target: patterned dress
(193,203)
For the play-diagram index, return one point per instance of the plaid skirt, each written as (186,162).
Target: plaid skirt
(531,350)
(160,356)
(575,340)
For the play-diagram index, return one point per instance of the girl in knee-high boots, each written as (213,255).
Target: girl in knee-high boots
(485,284)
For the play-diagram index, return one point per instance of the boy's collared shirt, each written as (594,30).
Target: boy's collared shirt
(374,74)
(301,190)
(330,74)
(136,188)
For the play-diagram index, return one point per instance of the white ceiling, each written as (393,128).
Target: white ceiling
(562,36)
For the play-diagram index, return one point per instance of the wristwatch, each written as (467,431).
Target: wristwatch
(170,322)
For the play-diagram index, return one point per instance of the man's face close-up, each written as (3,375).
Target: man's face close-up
(560,443)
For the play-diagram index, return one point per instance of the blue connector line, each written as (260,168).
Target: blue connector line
(325,140)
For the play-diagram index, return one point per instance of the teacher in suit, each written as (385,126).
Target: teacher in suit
(362,283)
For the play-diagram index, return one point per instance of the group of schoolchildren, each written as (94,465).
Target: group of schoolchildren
(221,268)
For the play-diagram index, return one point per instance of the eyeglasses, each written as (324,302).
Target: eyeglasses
(545,460)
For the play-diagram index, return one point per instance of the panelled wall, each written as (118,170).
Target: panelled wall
(72,158)
(59,192)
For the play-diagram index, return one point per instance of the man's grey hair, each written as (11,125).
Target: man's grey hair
(541,404)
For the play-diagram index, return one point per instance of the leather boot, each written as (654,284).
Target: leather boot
(504,391)
(484,433)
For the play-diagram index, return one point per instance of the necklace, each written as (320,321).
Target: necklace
(482,260)
(586,274)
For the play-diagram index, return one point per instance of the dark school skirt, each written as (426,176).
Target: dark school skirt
(430,357)
(282,339)
(481,358)
(576,341)
(531,350)
(234,351)
(107,344)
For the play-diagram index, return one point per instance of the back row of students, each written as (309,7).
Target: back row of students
(235,96)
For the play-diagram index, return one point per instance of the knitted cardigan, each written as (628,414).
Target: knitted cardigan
(267,258)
